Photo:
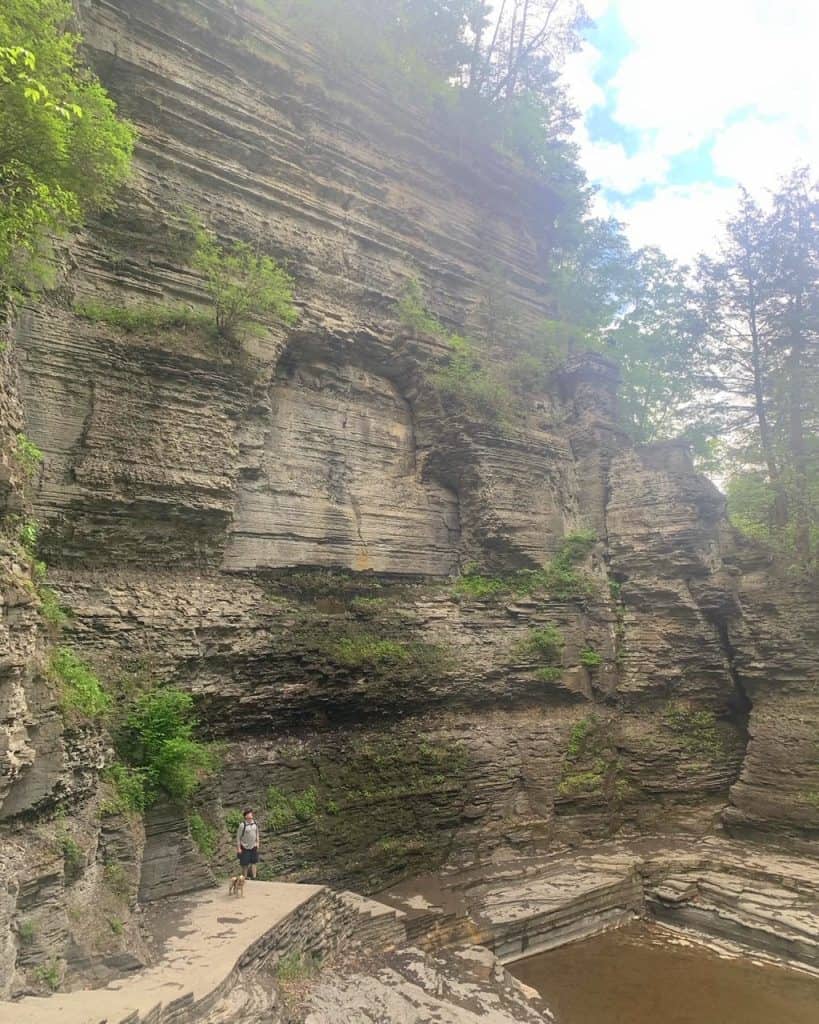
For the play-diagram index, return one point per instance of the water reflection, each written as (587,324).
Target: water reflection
(639,975)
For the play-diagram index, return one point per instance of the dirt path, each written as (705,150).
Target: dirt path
(200,955)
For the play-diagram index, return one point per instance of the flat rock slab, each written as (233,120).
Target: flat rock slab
(198,957)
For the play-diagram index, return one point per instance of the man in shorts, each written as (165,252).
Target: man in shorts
(247,844)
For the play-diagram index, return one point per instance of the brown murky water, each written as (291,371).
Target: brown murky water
(639,975)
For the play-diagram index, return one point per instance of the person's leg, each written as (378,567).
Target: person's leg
(254,863)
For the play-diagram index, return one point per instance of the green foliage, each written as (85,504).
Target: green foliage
(545,643)
(129,788)
(116,878)
(233,819)
(358,651)
(51,609)
(143,318)
(591,659)
(116,926)
(757,368)
(581,731)
(157,737)
(751,501)
(243,284)
(574,548)
(654,341)
(466,377)
(28,456)
(469,382)
(370,607)
(63,152)
(27,535)
(283,811)
(414,315)
(538,355)
(696,730)
(580,783)
(373,796)
(560,578)
(472,583)
(49,974)
(549,674)
(444,54)
(305,805)
(203,835)
(27,932)
(297,966)
(348,645)
(592,767)
(80,689)
(280,813)
(73,856)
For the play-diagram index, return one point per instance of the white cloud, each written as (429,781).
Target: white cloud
(607,164)
(681,219)
(596,8)
(738,76)
(757,153)
(578,77)
(694,64)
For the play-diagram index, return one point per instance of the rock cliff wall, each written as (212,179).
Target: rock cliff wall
(279,533)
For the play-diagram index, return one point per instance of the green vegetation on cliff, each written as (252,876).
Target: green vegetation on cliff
(243,284)
(142,318)
(561,578)
(81,692)
(466,379)
(156,741)
(696,730)
(63,151)
(28,456)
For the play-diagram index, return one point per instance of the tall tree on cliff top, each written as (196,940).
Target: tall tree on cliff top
(654,337)
(758,362)
(794,233)
(63,151)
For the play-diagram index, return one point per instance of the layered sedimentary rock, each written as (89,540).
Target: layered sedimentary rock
(277,531)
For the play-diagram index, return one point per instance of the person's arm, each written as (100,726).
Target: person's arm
(239,839)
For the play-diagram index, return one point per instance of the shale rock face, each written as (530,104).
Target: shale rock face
(277,531)
(337,484)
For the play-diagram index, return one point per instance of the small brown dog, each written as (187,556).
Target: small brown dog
(237,886)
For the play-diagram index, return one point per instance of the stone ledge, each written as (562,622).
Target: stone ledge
(217,937)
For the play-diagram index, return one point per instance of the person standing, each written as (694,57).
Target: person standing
(247,844)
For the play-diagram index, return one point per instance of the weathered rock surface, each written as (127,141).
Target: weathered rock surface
(186,493)
(757,901)
(460,987)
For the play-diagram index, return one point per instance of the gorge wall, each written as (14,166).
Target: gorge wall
(281,534)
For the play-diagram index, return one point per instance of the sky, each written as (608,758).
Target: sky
(682,101)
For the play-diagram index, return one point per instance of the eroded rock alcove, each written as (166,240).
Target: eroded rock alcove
(335,479)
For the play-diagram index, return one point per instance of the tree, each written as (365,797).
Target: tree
(757,363)
(794,321)
(519,45)
(738,355)
(63,151)
(243,284)
(654,338)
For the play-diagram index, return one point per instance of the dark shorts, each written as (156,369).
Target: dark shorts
(249,857)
